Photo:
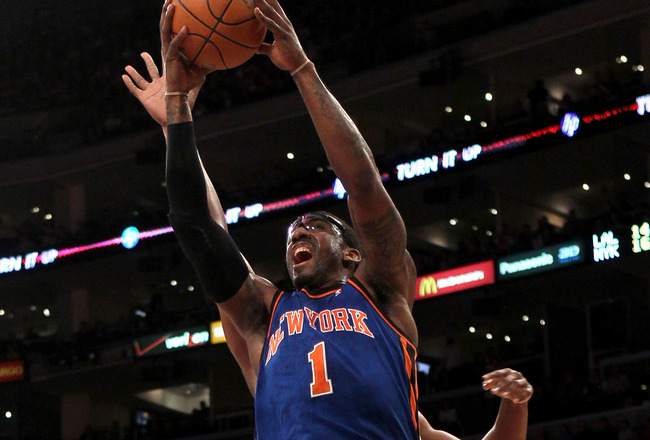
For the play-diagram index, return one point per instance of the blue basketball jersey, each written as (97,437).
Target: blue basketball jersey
(333,367)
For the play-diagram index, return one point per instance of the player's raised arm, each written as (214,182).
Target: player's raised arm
(381,231)
(224,274)
(151,94)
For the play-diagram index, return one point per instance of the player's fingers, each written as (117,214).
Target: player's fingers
(164,12)
(269,15)
(500,374)
(166,25)
(175,44)
(490,379)
(279,33)
(136,78)
(519,392)
(151,65)
(514,387)
(265,49)
(135,91)
(500,380)
(278,8)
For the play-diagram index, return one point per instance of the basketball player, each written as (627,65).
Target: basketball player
(337,356)
(510,385)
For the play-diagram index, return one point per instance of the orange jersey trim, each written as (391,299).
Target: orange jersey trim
(320,295)
(360,288)
(409,360)
(276,301)
(409,351)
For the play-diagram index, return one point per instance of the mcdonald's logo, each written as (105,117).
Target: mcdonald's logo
(427,286)
(454,280)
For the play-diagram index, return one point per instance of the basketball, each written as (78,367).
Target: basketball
(222,34)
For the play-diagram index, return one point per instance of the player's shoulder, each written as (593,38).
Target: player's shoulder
(382,282)
(263,289)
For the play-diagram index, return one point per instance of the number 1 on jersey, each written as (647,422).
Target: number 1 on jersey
(321,384)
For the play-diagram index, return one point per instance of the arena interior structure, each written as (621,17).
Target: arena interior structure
(512,135)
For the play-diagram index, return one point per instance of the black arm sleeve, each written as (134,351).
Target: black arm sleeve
(213,253)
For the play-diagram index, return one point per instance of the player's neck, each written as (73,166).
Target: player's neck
(332,283)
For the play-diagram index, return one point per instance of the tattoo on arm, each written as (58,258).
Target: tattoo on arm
(178,112)
(324,99)
(332,110)
(381,238)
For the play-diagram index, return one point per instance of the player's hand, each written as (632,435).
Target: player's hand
(151,93)
(181,75)
(285,51)
(508,384)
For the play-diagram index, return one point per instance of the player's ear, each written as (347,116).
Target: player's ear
(352,255)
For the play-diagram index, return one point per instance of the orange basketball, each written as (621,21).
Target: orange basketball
(222,34)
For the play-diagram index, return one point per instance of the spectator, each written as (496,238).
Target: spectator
(525,239)
(571,227)
(201,417)
(641,385)
(545,234)
(593,391)
(538,100)
(562,432)
(604,430)
(88,433)
(616,387)
(569,395)
(454,361)
(448,419)
(115,432)
(566,105)
(625,432)
(582,431)
(505,240)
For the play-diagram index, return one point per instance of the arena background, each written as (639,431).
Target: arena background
(80,161)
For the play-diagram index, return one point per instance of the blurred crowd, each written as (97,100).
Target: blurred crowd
(508,236)
(609,406)
(71,59)
(29,233)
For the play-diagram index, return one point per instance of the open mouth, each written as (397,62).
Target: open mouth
(301,254)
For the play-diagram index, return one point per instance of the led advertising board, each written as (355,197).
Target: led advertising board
(423,166)
(454,280)
(171,341)
(641,237)
(540,260)
(217,336)
(631,239)
(12,371)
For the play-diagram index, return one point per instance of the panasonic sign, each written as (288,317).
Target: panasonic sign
(540,260)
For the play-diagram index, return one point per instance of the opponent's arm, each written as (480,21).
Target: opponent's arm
(378,223)
(151,94)
(427,432)
(217,261)
(515,392)
(512,420)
